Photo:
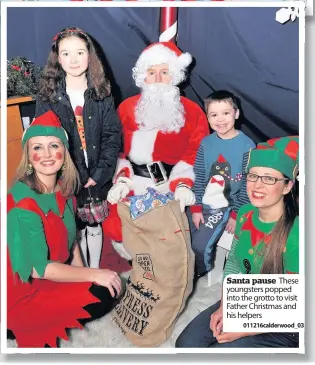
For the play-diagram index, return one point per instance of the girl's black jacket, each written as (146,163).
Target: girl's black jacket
(103,135)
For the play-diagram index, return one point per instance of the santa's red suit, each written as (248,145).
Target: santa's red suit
(143,147)
(176,150)
(179,149)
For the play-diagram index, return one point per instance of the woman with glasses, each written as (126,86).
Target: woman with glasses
(266,241)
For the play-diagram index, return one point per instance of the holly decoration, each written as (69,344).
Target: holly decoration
(22,77)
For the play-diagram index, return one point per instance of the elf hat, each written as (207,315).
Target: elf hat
(163,53)
(281,154)
(47,124)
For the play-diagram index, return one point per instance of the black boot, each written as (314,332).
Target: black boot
(10,335)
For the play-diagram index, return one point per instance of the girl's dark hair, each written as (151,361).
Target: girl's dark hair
(53,72)
(273,253)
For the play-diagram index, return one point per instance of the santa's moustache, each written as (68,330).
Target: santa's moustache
(159,107)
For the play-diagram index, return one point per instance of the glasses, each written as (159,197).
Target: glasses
(268,180)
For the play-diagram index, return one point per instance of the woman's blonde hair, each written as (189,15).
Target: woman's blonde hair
(67,177)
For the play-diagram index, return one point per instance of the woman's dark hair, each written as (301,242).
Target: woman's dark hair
(53,72)
(273,252)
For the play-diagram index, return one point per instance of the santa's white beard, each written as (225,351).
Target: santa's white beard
(159,107)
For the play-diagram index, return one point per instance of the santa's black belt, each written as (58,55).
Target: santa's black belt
(142,170)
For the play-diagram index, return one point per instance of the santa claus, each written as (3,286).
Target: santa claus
(162,130)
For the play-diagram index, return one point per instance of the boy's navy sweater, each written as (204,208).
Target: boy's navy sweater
(225,157)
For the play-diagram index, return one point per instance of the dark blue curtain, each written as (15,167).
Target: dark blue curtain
(243,50)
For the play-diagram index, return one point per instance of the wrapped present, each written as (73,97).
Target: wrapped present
(141,204)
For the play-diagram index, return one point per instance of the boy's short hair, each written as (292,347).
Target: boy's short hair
(221,95)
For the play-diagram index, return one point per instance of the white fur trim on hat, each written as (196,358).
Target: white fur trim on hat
(185,59)
(160,54)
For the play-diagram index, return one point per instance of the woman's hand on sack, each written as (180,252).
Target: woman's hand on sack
(231,336)
(109,279)
(185,196)
(90,182)
(119,190)
(216,321)
(197,218)
(230,226)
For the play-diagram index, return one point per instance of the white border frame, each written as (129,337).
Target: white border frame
(309,8)
(4,6)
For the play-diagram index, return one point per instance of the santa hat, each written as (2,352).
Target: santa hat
(47,124)
(281,154)
(163,53)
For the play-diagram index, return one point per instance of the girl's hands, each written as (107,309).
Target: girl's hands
(109,279)
(90,182)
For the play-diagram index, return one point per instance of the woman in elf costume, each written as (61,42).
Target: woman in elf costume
(49,289)
(266,241)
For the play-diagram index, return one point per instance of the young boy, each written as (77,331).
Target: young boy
(219,187)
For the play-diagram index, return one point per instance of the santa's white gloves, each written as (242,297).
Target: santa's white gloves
(123,186)
(119,190)
(185,196)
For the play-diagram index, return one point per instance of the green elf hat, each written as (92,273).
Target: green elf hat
(281,154)
(47,124)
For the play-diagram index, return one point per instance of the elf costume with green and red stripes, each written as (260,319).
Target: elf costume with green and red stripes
(251,234)
(250,238)
(41,229)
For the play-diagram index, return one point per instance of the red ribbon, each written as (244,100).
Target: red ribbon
(68,31)
(56,36)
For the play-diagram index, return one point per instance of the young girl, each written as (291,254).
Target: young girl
(74,86)
(266,241)
(49,289)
